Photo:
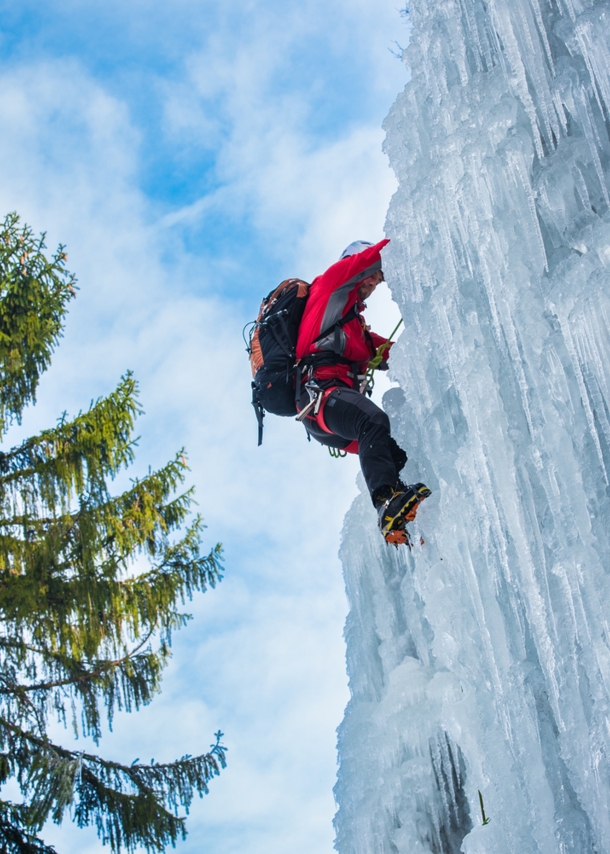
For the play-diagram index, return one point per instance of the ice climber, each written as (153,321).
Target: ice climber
(331,397)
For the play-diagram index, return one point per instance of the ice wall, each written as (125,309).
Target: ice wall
(481,660)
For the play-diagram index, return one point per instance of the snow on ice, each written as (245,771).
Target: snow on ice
(481,660)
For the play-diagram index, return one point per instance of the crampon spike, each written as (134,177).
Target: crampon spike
(398,537)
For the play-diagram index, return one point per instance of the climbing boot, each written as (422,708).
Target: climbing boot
(397,510)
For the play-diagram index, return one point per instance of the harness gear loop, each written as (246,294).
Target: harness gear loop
(315,399)
(336,453)
(320,403)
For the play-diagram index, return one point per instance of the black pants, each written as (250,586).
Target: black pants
(354,417)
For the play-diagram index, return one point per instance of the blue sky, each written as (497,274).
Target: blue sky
(191,155)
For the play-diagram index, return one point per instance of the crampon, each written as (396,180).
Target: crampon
(398,538)
(400,509)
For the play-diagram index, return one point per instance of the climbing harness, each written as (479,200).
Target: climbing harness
(318,394)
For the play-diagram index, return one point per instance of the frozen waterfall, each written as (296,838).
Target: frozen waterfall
(480,661)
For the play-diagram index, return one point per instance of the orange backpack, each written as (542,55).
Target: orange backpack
(272,350)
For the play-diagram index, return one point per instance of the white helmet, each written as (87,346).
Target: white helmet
(354,248)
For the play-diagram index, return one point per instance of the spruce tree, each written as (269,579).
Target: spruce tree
(81,633)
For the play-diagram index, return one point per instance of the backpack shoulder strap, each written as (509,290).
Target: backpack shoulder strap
(350,315)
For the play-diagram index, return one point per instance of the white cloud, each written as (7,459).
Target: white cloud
(312,197)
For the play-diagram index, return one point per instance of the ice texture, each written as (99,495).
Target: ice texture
(480,661)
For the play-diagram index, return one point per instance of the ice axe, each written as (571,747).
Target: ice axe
(377,359)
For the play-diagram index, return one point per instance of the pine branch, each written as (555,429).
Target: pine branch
(109,530)
(46,471)
(126,802)
(34,295)
(14,837)
(102,667)
(126,683)
(137,605)
(92,604)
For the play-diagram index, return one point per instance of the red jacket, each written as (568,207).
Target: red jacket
(331,296)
